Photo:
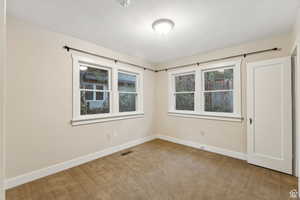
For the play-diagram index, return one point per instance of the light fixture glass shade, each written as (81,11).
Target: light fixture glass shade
(163,26)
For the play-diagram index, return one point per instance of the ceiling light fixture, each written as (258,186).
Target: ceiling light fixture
(163,26)
(124,3)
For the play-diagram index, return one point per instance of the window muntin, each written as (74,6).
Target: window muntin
(127,87)
(94,90)
(184,93)
(218,90)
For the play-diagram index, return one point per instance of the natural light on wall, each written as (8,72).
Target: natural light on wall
(163,26)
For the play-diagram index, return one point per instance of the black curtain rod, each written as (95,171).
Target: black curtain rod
(219,59)
(171,68)
(108,58)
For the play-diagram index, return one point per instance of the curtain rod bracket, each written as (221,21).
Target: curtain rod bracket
(67,48)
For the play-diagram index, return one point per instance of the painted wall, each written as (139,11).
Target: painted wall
(39,103)
(2,91)
(296,31)
(222,134)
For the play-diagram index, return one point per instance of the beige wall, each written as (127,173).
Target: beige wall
(2,72)
(296,31)
(39,103)
(223,134)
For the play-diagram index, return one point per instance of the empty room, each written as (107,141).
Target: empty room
(149,100)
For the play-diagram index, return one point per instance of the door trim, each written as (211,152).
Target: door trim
(250,109)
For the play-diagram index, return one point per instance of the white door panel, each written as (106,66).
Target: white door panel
(269,108)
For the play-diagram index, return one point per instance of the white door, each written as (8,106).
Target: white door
(269,114)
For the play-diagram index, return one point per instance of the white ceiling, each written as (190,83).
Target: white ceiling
(200,25)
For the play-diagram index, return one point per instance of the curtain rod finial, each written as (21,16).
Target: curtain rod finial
(67,48)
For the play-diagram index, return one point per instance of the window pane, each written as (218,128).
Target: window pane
(221,79)
(219,102)
(127,102)
(185,101)
(89,95)
(99,87)
(99,95)
(88,106)
(91,78)
(126,82)
(185,83)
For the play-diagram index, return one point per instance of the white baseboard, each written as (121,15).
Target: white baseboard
(25,178)
(225,152)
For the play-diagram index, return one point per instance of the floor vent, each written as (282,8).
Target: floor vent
(126,153)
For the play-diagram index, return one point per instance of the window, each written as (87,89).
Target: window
(206,91)
(218,90)
(94,90)
(184,92)
(127,92)
(105,91)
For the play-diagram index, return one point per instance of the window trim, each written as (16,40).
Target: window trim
(199,111)
(113,69)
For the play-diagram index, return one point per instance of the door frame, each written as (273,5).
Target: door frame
(249,105)
(2,95)
(296,48)
(296,107)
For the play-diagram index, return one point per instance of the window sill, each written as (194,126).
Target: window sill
(77,122)
(204,116)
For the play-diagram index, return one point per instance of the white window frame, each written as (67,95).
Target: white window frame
(113,69)
(172,89)
(137,92)
(199,111)
(94,90)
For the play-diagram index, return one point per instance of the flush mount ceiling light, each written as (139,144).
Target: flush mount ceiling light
(163,26)
(124,3)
